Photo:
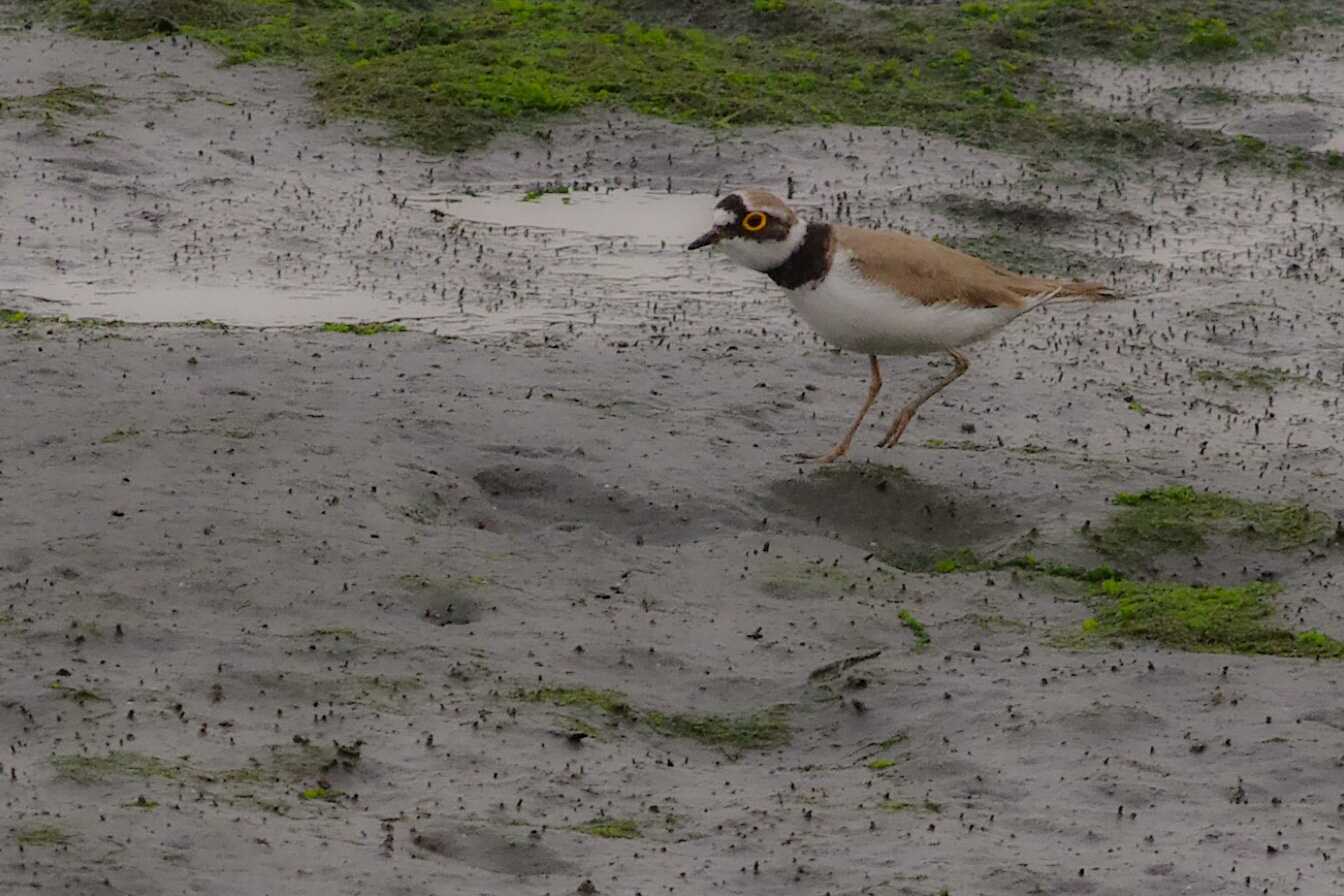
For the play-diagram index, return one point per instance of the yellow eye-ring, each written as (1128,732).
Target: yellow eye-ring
(754,222)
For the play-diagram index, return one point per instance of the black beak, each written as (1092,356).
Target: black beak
(709,239)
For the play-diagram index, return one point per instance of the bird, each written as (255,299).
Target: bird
(880,292)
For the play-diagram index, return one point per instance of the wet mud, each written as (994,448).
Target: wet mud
(534,598)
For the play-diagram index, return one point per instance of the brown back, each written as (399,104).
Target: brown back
(931,272)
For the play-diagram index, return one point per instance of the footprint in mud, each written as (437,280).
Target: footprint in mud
(556,495)
(491,851)
(910,523)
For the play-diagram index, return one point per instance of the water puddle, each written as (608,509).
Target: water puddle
(644,217)
(502,263)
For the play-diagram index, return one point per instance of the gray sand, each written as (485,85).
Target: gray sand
(225,550)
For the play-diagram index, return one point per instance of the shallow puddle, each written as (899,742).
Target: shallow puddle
(521,263)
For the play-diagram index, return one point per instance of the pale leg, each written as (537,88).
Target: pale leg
(908,412)
(874,386)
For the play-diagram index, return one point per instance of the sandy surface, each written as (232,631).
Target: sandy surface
(224,550)
(1296,99)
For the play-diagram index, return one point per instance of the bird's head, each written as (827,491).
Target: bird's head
(755,228)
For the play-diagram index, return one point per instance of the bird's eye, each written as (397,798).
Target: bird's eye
(754,222)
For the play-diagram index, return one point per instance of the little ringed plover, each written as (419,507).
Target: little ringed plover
(880,292)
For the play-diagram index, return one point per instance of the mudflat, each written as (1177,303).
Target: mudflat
(534,597)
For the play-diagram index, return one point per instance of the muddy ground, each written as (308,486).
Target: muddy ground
(281,606)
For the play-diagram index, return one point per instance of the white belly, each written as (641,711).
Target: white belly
(852,313)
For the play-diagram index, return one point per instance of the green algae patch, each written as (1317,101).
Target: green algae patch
(792,579)
(917,629)
(754,731)
(41,835)
(371,328)
(1207,619)
(613,702)
(64,99)
(965,560)
(928,806)
(611,828)
(449,76)
(1266,379)
(757,731)
(878,764)
(118,764)
(1179,518)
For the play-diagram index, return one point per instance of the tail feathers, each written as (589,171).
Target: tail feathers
(1055,292)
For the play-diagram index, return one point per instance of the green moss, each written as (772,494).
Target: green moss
(450,75)
(615,828)
(321,793)
(120,435)
(79,695)
(916,628)
(817,578)
(119,764)
(902,806)
(61,100)
(1208,37)
(41,835)
(612,702)
(1204,95)
(535,194)
(754,731)
(25,320)
(372,328)
(1265,378)
(757,731)
(878,764)
(1178,518)
(1201,618)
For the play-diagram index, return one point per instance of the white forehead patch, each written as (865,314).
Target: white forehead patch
(723,217)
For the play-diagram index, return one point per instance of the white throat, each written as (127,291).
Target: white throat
(767,255)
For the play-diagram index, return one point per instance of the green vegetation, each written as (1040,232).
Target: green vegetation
(120,435)
(755,731)
(1208,96)
(916,628)
(119,764)
(24,320)
(1177,518)
(1265,378)
(612,702)
(878,764)
(965,560)
(372,328)
(79,695)
(60,100)
(817,578)
(901,806)
(535,194)
(1200,618)
(329,794)
(449,75)
(616,828)
(41,835)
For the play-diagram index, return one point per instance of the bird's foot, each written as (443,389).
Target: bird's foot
(829,457)
(897,430)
